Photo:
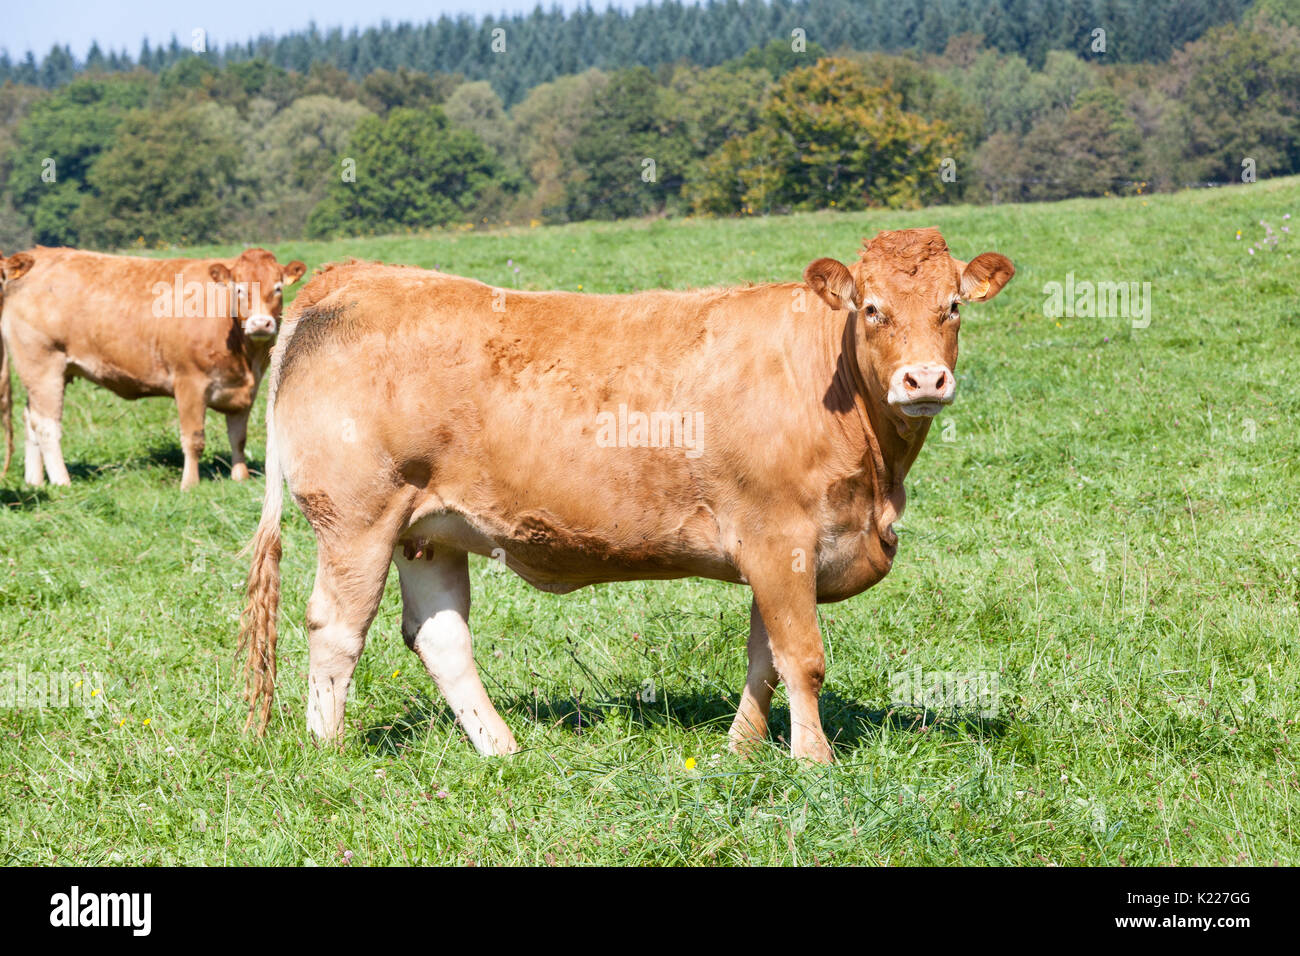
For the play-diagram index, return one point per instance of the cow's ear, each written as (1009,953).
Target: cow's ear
(219,272)
(293,272)
(16,265)
(831,280)
(984,276)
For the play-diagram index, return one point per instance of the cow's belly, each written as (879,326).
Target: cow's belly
(558,559)
(850,563)
(115,378)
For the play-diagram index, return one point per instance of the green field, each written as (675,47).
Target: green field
(1106,519)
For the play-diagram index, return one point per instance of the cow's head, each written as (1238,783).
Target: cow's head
(906,289)
(257,284)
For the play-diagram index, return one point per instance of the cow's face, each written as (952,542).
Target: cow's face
(257,284)
(907,290)
(12,268)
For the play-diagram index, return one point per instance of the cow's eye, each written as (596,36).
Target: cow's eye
(870,311)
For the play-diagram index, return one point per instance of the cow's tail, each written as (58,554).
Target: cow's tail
(6,406)
(257,629)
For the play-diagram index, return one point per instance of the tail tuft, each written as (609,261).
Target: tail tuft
(258,624)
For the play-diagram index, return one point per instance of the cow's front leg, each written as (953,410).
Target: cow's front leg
(237,432)
(750,726)
(192,408)
(785,593)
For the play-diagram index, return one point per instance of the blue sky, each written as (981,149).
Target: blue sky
(118,24)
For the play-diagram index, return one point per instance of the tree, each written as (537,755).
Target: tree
(1279,11)
(712,106)
(1091,150)
(829,137)
(630,158)
(382,91)
(777,58)
(477,107)
(291,158)
(168,178)
(413,170)
(56,144)
(547,125)
(1238,91)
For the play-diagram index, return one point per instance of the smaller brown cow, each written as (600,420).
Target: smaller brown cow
(198,330)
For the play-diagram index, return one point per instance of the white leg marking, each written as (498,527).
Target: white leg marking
(33,467)
(332,656)
(49,434)
(435,608)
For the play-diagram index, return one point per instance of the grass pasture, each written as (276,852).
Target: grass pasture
(1106,520)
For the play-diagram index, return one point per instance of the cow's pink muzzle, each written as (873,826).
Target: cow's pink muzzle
(922,390)
(259,326)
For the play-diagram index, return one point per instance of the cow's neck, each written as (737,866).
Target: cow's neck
(258,355)
(888,446)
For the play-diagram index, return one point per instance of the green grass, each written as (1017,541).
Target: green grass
(1111,529)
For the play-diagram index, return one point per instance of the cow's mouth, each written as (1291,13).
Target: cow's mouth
(260,327)
(922,409)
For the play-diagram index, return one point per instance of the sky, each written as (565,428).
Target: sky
(122,24)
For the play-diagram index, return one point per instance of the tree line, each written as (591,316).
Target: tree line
(518,52)
(206,151)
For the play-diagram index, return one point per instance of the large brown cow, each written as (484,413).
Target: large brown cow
(754,435)
(198,330)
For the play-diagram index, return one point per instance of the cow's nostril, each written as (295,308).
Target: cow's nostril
(910,382)
(940,382)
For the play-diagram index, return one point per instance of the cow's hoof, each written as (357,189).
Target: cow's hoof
(745,749)
(239,472)
(818,752)
(744,743)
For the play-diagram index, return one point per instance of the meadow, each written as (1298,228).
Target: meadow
(1105,522)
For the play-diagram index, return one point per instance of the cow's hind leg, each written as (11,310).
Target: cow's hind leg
(351,569)
(435,624)
(749,728)
(33,463)
(44,423)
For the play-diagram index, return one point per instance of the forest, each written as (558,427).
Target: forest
(724,108)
